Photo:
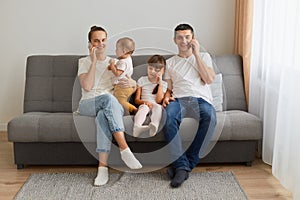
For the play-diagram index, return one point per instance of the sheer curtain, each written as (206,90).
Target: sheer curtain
(275,86)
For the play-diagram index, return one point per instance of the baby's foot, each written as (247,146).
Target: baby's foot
(130,160)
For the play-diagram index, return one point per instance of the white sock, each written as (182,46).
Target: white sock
(102,176)
(129,159)
(137,130)
(153,129)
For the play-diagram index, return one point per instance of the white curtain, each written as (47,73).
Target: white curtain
(275,86)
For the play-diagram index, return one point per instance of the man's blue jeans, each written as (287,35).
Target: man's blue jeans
(109,118)
(205,114)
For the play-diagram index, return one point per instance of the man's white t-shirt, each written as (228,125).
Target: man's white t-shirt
(103,76)
(147,88)
(126,66)
(185,77)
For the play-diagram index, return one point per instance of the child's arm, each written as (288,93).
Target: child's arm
(160,93)
(113,67)
(138,100)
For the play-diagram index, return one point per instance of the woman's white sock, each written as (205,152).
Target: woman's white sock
(102,176)
(130,160)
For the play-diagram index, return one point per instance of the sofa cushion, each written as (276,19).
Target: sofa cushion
(43,127)
(217,92)
(66,127)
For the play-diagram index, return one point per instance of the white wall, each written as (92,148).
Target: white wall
(60,27)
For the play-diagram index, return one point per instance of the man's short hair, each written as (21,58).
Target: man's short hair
(183,27)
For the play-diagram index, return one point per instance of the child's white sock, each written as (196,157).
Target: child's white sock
(153,129)
(102,176)
(130,160)
(137,130)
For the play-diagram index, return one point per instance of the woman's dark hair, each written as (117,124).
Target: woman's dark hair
(95,28)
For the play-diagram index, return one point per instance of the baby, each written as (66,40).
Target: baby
(123,69)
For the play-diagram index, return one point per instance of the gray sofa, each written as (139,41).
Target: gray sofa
(49,132)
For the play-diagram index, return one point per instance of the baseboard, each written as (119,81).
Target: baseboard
(3,126)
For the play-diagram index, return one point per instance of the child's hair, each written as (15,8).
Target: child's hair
(127,44)
(157,61)
(93,29)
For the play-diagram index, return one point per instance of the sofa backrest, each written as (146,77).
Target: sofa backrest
(231,67)
(52,83)
(49,83)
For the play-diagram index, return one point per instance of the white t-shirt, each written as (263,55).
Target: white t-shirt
(126,66)
(185,77)
(147,88)
(103,77)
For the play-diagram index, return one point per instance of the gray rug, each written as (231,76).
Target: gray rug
(200,185)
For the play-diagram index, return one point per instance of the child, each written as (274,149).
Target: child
(149,95)
(123,69)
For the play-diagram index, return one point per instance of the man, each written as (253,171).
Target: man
(188,75)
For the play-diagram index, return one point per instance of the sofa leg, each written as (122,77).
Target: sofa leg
(248,164)
(20,166)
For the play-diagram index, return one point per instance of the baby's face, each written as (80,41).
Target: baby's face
(119,50)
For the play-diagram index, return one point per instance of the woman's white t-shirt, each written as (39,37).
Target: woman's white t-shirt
(103,76)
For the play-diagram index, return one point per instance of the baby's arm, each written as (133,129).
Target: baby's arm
(113,67)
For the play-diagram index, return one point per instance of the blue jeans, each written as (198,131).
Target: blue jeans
(205,114)
(109,118)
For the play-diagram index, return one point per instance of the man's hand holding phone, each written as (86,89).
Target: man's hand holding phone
(194,44)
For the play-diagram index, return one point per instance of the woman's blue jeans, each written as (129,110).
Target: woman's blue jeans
(205,114)
(109,118)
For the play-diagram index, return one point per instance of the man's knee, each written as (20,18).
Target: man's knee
(209,114)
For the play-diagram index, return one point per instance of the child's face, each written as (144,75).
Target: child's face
(154,72)
(119,50)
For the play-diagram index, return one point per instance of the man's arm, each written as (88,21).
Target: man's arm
(207,74)
(168,95)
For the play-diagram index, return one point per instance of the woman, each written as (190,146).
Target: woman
(97,100)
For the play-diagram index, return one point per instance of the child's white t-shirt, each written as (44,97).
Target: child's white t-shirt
(147,88)
(185,77)
(126,66)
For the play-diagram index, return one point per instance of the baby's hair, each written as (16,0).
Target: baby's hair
(93,29)
(157,61)
(127,44)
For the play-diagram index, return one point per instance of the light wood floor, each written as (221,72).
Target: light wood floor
(257,180)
